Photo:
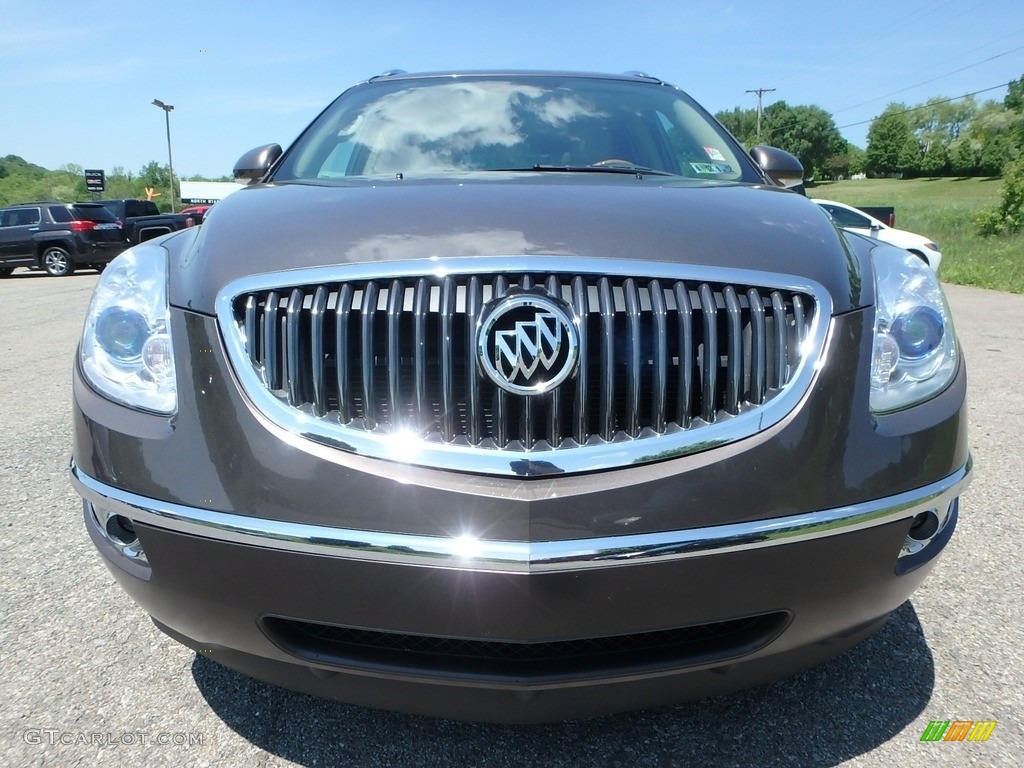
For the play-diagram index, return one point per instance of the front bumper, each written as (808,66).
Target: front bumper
(519,631)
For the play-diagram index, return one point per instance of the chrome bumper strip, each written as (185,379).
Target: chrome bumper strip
(467,553)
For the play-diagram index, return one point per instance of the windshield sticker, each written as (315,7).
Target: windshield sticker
(715,154)
(712,167)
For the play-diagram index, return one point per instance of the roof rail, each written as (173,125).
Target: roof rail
(644,75)
(389,73)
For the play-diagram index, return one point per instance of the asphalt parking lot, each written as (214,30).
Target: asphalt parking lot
(88,680)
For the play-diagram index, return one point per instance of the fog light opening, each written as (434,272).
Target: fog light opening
(121,530)
(923,529)
(924,526)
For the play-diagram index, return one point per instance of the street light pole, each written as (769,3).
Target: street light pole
(170,163)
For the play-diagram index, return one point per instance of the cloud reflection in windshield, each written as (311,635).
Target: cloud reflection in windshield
(468,126)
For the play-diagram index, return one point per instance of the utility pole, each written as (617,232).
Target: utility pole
(760,93)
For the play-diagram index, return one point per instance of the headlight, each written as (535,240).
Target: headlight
(914,353)
(126,345)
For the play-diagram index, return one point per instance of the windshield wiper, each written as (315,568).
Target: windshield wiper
(630,169)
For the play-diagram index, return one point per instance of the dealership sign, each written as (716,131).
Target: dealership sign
(95,181)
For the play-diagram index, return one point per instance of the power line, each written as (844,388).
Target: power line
(891,28)
(929,10)
(985,46)
(926,106)
(931,80)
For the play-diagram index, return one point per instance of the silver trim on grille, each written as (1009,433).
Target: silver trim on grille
(600,421)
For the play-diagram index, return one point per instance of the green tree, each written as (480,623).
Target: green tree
(934,161)
(936,125)
(892,147)
(858,160)
(155,175)
(741,123)
(806,131)
(995,154)
(1007,217)
(993,136)
(963,156)
(1014,100)
(1014,104)
(846,163)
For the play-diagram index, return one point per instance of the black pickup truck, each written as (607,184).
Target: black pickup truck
(143,221)
(884,213)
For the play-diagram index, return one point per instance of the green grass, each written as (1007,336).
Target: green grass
(944,210)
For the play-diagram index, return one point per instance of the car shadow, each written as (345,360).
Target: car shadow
(822,717)
(18,274)
(28,274)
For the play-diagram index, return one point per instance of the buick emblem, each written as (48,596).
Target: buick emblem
(527,343)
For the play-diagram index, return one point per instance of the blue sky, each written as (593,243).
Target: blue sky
(78,79)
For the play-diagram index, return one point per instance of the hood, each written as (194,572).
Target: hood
(269,228)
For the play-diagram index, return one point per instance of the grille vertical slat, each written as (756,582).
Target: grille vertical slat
(781,347)
(685,352)
(368,310)
(271,369)
(293,320)
(656,356)
(607,309)
(501,409)
(709,378)
(342,312)
(554,398)
(527,405)
(633,350)
(526,420)
(580,416)
(659,354)
(420,305)
(800,319)
(734,343)
(758,347)
(447,338)
(396,298)
(474,304)
(317,351)
(251,340)
(501,418)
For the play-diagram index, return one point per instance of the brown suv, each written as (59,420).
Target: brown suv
(514,397)
(58,237)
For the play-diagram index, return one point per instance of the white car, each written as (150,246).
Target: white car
(848,217)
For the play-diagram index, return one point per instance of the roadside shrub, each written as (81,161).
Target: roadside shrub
(1007,217)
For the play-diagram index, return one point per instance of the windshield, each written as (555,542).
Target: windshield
(431,125)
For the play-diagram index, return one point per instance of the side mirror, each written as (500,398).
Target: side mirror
(254,164)
(782,168)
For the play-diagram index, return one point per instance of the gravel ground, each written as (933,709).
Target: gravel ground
(88,680)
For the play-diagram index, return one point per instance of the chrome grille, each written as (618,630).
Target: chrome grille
(661,357)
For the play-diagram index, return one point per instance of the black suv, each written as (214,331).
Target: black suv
(58,237)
